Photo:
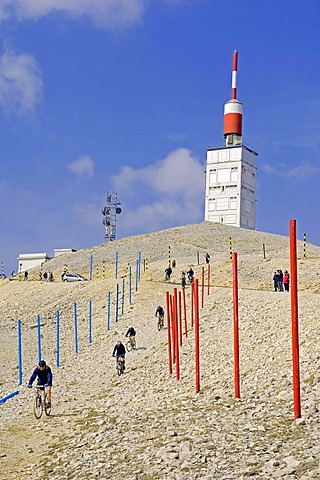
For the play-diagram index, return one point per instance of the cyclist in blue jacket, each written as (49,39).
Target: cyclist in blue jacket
(44,374)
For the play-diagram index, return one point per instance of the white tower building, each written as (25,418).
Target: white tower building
(230,196)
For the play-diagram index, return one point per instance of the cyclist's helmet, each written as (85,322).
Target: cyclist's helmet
(42,363)
(118,343)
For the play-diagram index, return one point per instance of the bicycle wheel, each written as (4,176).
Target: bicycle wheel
(37,406)
(159,324)
(133,343)
(119,368)
(47,408)
(129,346)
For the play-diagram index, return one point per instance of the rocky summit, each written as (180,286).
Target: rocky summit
(146,424)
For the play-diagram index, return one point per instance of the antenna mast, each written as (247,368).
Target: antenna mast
(110,212)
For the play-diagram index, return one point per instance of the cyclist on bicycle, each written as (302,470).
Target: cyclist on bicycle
(119,351)
(160,313)
(44,374)
(131,332)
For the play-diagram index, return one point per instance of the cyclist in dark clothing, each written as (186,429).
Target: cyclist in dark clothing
(159,311)
(44,374)
(131,332)
(119,351)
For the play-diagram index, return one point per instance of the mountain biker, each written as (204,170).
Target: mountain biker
(131,333)
(160,313)
(44,374)
(168,272)
(190,274)
(119,351)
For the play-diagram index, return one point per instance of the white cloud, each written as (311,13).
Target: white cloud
(302,172)
(20,82)
(82,167)
(103,13)
(169,192)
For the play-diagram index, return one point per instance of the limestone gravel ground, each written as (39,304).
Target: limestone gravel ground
(145,424)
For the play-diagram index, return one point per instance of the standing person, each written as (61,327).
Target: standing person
(26,275)
(183,279)
(45,276)
(286,281)
(207,258)
(119,351)
(190,274)
(51,277)
(275,281)
(280,273)
(44,374)
(168,272)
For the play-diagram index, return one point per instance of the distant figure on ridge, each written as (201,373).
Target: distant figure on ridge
(26,275)
(286,281)
(207,258)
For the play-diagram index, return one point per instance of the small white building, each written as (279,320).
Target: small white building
(30,260)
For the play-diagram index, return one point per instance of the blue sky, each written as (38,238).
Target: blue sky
(126,95)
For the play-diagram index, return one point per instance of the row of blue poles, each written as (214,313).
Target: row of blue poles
(75,316)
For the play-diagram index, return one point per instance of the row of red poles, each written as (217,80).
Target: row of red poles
(177,325)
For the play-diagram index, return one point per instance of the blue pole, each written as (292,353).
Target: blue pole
(58,338)
(137,274)
(117,301)
(130,284)
(91,263)
(20,352)
(139,257)
(109,296)
(117,258)
(39,339)
(122,302)
(75,327)
(90,321)
(4,399)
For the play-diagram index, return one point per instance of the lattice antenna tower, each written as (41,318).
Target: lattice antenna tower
(110,212)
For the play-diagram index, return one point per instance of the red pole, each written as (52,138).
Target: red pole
(197,352)
(192,309)
(209,271)
(180,319)
(169,333)
(185,312)
(173,330)
(175,307)
(202,291)
(294,320)
(236,327)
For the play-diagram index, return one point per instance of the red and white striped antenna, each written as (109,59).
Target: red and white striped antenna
(232,128)
(234,75)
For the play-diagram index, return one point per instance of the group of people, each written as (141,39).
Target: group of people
(43,372)
(281,281)
(48,276)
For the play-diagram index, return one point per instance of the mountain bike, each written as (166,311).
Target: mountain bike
(40,402)
(131,344)
(120,365)
(161,322)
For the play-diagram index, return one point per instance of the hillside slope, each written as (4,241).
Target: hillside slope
(145,424)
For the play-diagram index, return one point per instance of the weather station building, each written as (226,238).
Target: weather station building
(230,192)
